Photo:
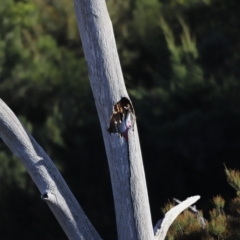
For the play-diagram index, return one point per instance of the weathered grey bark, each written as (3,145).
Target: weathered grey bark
(49,181)
(124,158)
(55,191)
(162,226)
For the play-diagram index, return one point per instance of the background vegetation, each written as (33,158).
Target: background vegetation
(180,59)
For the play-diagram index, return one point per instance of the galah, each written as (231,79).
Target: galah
(122,119)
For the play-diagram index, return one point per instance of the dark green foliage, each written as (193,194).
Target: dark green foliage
(223,222)
(180,60)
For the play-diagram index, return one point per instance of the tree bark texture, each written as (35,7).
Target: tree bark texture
(132,209)
(49,181)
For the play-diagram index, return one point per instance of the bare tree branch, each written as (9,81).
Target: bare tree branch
(49,181)
(162,226)
(117,118)
(124,157)
(194,209)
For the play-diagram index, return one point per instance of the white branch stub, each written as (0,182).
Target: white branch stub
(162,226)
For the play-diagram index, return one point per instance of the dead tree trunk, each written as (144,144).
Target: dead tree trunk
(117,119)
(124,157)
(54,190)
